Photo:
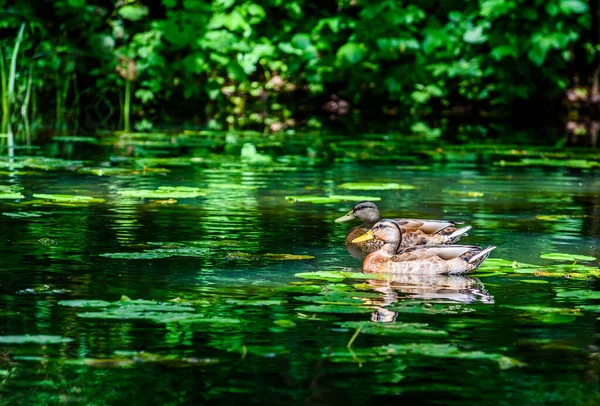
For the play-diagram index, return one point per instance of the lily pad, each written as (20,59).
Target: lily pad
(30,339)
(84,303)
(285,323)
(312,199)
(334,276)
(375,186)
(163,192)
(467,193)
(11,195)
(355,198)
(287,257)
(24,214)
(393,328)
(58,198)
(167,251)
(334,309)
(449,351)
(580,294)
(567,257)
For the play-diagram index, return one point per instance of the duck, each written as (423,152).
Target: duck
(414,231)
(419,259)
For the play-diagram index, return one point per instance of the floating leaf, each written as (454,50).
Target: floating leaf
(312,199)
(580,294)
(334,276)
(84,303)
(11,195)
(393,328)
(256,302)
(24,214)
(163,192)
(287,257)
(468,193)
(285,323)
(449,351)
(48,242)
(375,186)
(334,309)
(29,339)
(58,198)
(355,198)
(567,257)
(538,281)
(168,250)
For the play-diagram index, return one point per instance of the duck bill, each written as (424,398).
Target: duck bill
(346,217)
(365,237)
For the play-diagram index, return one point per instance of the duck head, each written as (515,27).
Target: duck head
(387,231)
(368,212)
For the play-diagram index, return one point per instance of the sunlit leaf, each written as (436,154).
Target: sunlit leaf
(375,186)
(393,328)
(34,339)
(68,198)
(335,275)
(567,257)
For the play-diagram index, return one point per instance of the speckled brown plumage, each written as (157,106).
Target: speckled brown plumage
(426,259)
(414,231)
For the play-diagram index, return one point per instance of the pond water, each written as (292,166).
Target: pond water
(180,296)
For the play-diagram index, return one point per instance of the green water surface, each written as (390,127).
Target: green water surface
(183,296)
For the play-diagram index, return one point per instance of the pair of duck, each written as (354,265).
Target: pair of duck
(410,245)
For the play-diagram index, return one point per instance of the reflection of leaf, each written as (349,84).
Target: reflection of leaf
(567,257)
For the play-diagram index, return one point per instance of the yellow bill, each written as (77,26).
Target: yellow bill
(346,217)
(365,237)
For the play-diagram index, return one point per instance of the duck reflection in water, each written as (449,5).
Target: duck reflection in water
(430,289)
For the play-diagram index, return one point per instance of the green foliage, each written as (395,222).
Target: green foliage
(244,63)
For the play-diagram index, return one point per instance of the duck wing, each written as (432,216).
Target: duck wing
(443,252)
(426,226)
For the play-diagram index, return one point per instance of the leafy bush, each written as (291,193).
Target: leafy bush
(272,64)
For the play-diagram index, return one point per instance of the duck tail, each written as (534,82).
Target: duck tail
(480,257)
(456,235)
